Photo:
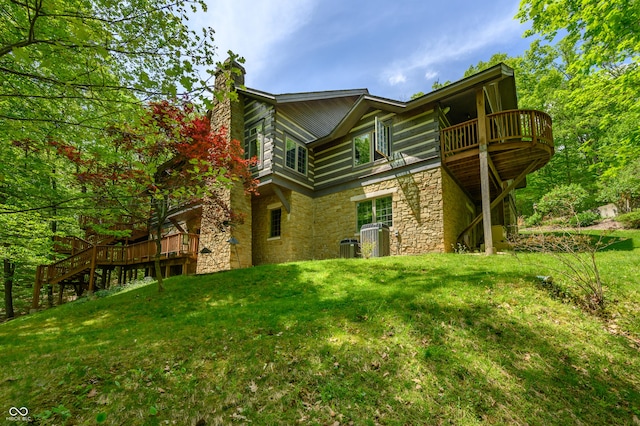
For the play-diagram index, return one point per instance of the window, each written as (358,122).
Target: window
(362,149)
(379,210)
(374,145)
(295,156)
(383,139)
(275,228)
(255,143)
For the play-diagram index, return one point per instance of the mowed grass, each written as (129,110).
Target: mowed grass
(434,339)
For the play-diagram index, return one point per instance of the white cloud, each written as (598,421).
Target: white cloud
(430,75)
(457,43)
(397,78)
(252,28)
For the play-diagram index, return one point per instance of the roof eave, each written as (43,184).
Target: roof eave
(497,72)
(299,97)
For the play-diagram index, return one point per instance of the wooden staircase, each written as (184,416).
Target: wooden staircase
(80,268)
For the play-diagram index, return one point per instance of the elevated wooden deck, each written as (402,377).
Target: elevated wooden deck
(517,141)
(177,248)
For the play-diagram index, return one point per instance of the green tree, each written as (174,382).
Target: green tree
(623,188)
(167,161)
(69,69)
(602,33)
(594,48)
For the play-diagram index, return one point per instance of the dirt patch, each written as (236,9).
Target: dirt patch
(606,224)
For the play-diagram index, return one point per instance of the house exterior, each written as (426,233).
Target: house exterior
(436,171)
(432,169)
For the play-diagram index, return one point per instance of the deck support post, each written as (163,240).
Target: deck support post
(484,171)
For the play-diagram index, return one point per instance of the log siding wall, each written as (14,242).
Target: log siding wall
(254,112)
(414,135)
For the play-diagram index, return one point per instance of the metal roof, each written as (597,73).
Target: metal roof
(331,114)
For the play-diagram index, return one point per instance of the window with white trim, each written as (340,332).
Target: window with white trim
(378,210)
(255,143)
(373,145)
(295,156)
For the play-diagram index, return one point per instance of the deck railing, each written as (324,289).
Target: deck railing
(520,125)
(459,138)
(70,245)
(502,127)
(173,245)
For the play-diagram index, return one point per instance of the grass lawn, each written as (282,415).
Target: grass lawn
(433,339)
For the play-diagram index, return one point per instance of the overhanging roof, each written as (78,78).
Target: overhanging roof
(336,112)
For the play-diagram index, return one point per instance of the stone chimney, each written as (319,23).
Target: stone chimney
(224,247)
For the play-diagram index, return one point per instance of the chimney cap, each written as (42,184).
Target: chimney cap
(233,61)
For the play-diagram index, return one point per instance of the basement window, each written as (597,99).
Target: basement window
(275,227)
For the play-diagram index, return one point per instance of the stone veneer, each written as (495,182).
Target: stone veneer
(214,235)
(417,214)
(458,211)
(296,239)
(314,227)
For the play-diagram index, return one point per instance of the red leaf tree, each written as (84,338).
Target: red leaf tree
(168,160)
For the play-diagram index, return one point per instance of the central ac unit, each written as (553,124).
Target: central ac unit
(376,234)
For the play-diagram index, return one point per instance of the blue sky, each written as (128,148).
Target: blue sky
(394,49)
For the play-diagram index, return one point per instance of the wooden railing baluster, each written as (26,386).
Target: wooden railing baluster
(505,126)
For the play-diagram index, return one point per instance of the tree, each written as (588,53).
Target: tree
(69,62)
(624,188)
(168,160)
(601,32)
(593,46)
(69,69)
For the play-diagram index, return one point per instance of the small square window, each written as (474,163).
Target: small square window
(276,223)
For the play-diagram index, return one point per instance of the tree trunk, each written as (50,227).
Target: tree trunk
(156,259)
(9,270)
(160,207)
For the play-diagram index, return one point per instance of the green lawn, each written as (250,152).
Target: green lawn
(449,338)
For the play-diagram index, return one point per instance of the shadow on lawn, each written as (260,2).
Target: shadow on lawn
(497,364)
(341,334)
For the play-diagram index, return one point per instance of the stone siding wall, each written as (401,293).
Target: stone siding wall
(296,239)
(458,210)
(214,252)
(417,215)
(214,237)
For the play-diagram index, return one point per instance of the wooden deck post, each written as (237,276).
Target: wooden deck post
(484,171)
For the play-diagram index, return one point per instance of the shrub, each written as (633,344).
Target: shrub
(576,254)
(533,220)
(563,200)
(631,219)
(586,218)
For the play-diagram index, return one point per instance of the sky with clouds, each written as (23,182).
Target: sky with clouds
(394,49)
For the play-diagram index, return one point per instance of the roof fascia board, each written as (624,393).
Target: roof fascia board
(497,72)
(300,97)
